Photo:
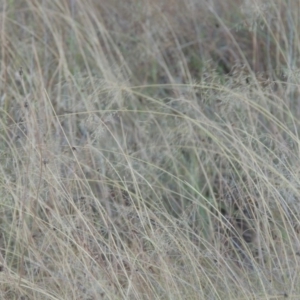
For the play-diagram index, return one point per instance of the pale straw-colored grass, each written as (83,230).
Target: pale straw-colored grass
(132,166)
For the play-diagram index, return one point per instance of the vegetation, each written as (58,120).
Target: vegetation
(149,149)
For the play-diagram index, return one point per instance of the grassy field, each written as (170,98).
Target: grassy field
(149,149)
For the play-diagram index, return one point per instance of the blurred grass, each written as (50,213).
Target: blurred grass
(149,150)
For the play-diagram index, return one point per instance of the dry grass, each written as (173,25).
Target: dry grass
(149,149)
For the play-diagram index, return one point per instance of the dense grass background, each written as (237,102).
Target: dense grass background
(149,149)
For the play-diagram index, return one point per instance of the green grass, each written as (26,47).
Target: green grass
(146,154)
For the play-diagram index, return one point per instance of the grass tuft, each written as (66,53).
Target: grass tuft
(149,150)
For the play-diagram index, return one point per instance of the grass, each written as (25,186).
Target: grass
(149,150)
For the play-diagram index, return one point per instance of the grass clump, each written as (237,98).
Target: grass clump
(147,155)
